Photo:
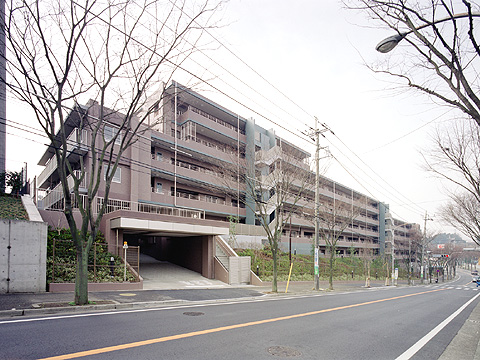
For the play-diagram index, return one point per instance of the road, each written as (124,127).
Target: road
(380,323)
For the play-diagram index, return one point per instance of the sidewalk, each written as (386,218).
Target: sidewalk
(20,304)
(465,345)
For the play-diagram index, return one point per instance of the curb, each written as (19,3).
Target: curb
(466,343)
(138,305)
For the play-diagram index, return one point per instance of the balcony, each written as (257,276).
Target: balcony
(212,122)
(268,157)
(54,197)
(77,145)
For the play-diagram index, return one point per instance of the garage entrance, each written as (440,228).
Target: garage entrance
(189,246)
(175,262)
(163,275)
(190,252)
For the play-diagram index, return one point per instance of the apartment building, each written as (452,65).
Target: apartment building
(403,239)
(171,197)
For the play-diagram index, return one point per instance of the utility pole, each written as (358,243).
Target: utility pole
(314,135)
(424,243)
(317,203)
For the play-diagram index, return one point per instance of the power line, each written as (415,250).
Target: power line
(179,66)
(217,89)
(263,78)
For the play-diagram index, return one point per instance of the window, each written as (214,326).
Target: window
(158,188)
(159,156)
(117,177)
(109,133)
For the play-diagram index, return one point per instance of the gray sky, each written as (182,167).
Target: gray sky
(314,53)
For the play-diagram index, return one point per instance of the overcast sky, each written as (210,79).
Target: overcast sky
(314,52)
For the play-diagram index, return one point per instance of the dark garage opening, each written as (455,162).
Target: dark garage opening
(187,252)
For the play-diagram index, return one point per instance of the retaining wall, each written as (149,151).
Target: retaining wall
(23,256)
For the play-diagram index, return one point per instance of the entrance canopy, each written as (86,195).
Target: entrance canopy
(164,228)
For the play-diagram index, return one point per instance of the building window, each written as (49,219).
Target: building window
(159,156)
(109,133)
(158,188)
(117,177)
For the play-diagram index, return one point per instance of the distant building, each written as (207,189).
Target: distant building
(169,197)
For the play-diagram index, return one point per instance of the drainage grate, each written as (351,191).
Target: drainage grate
(193,313)
(283,351)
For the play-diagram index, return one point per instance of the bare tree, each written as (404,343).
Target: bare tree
(334,218)
(409,251)
(275,184)
(456,158)
(441,54)
(367,255)
(61,53)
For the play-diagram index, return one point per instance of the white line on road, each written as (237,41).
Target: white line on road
(423,341)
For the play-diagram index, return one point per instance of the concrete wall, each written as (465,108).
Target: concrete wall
(239,269)
(23,263)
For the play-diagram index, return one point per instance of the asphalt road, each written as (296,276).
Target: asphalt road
(379,323)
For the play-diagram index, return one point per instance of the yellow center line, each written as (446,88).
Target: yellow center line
(223,328)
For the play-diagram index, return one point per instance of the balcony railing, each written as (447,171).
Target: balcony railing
(56,194)
(213,118)
(207,198)
(50,167)
(77,140)
(54,200)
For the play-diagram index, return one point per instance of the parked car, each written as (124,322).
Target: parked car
(475,279)
(475,272)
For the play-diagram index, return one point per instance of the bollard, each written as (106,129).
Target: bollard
(112,269)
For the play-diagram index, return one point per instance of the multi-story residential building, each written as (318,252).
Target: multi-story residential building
(171,197)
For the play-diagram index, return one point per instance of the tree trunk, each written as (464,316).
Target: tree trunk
(274,280)
(330,277)
(81,279)
(367,280)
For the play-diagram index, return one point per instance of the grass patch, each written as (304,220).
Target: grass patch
(11,208)
(262,264)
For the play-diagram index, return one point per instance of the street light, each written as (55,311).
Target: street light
(388,44)
(393,246)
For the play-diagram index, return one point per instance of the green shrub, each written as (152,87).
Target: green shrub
(60,248)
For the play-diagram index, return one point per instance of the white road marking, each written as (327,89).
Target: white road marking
(423,341)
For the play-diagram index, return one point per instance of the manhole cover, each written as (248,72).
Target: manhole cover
(193,313)
(283,351)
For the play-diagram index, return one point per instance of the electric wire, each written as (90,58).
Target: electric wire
(206,82)
(386,182)
(299,135)
(263,78)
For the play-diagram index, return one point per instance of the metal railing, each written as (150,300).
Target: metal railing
(54,200)
(54,196)
(217,120)
(76,139)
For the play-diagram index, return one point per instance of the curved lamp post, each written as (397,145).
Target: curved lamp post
(389,43)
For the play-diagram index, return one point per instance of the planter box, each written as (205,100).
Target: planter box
(106,286)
